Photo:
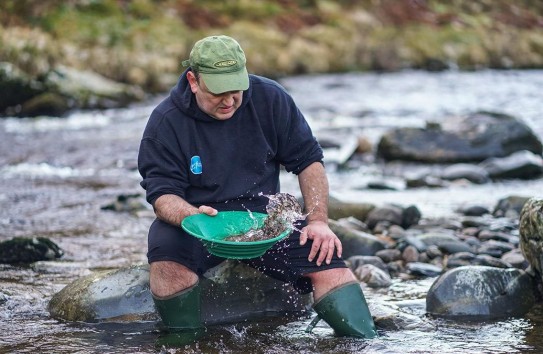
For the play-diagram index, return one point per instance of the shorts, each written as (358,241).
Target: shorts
(285,261)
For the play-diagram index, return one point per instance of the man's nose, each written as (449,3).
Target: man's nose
(228,99)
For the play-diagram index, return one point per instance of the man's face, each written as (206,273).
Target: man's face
(219,106)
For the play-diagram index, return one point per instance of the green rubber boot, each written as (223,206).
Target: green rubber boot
(346,311)
(181,311)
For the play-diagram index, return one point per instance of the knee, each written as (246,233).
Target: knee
(335,275)
(167,278)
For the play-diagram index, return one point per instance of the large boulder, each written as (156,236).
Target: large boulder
(60,89)
(481,292)
(531,233)
(472,138)
(231,292)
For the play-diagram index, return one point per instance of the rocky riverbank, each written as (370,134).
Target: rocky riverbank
(59,56)
(483,264)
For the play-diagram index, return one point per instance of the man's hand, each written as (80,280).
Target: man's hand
(204,209)
(325,242)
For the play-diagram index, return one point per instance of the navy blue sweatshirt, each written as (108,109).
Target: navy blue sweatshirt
(226,164)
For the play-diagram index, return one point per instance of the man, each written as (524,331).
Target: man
(217,143)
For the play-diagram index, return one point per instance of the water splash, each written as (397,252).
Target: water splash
(283,211)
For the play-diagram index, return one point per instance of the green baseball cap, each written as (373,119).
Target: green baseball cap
(220,61)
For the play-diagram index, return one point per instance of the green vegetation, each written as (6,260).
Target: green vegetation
(142,42)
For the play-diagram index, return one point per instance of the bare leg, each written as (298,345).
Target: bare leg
(326,280)
(167,278)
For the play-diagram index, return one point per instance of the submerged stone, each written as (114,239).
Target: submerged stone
(481,292)
(231,292)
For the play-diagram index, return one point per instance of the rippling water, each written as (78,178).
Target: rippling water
(57,173)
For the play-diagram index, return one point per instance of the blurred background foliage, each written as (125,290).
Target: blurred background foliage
(142,42)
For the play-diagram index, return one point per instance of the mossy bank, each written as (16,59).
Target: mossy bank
(141,43)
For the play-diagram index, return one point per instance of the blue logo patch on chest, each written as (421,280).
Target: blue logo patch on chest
(196,165)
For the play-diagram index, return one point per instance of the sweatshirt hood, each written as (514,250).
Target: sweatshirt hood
(185,101)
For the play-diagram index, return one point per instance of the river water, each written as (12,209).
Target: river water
(57,173)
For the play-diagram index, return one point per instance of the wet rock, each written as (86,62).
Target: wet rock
(531,233)
(356,242)
(16,87)
(45,104)
(3,298)
(437,237)
(481,292)
(393,215)
(522,165)
(373,276)
(414,241)
(473,210)
(472,173)
(338,210)
(490,261)
(411,216)
(396,232)
(354,223)
(28,250)
(357,261)
(389,255)
(88,89)
(510,206)
(459,259)
(485,235)
(495,248)
(516,259)
(453,246)
(390,317)
(410,254)
(131,203)
(471,138)
(433,251)
(123,296)
(59,90)
(423,269)
(425,180)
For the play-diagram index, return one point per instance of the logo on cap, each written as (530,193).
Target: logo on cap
(225,63)
(196,165)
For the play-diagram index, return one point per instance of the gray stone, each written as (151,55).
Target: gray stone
(522,165)
(472,173)
(357,261)
(231,292)
(423,269)
(356,242)
(389,255)
(481,292)
(471,138)
(373,276)
(510,206)
(338,209)
(389,316)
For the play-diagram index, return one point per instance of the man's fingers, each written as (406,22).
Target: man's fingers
(339,247)
(331,249)
(303,236)
(314,250)
(204,209)
(323,253)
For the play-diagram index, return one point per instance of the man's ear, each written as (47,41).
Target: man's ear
(191,78)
